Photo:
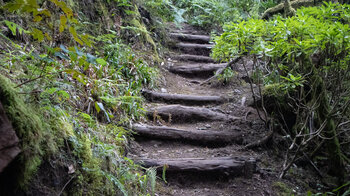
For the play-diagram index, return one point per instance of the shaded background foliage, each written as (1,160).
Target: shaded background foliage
(82,65)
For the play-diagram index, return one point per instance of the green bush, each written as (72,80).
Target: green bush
(307,60)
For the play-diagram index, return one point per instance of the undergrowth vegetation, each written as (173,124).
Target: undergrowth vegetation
(84,83)
(71,73)
(301,68)
(208,14)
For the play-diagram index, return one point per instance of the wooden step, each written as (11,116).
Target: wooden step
(179,113)
(236,166)
(196,70)
(206,137)
(200,39)
(196,49)
(194,58)
(188,30)
(183,99)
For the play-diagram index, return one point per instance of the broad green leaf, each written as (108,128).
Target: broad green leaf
(63,94)
(37,18)
(101,61)
(97,107)
(37,34)
(51,90)
(63,23)
(12,26)
(75,35)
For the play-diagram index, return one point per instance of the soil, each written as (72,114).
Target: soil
(264,181)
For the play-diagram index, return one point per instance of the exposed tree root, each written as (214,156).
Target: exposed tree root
(295,4)
(219,71)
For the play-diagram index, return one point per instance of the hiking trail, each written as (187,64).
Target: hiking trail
(199,130)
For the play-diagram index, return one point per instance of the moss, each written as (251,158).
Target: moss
(138,27)
(272,89)
(90,180)
(282,189)
(289,11)
(29,129)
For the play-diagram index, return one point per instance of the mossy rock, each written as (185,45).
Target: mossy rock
(29,127)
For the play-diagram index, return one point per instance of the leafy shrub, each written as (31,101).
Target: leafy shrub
(307,61)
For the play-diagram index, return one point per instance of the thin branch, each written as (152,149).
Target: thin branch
(28,81)
(218,72)
(253,93)
(66,185)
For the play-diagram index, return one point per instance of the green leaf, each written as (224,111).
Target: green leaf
(51,90)
(12,26)
(37,34)
(75,35)
(97,107)
(163,173)
(63,23)
(101,61)
(63,94)
(37,18)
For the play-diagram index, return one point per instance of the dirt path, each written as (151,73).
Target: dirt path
(199,131)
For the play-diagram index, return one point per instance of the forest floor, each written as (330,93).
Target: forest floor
(198,162)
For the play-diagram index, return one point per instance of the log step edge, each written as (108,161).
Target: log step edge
(207,137)
(183,98)
(235,166)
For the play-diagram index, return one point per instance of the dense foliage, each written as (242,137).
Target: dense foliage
(73,70)
(85,85)
(301,66)
(213,14)
(207,14)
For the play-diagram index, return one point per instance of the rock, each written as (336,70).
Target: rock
(8,140)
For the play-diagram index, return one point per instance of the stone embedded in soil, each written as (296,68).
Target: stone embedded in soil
(178,113)
(182,99)
(197,70)
(229,165)
(200,137)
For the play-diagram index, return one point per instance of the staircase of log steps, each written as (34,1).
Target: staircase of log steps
(179,144)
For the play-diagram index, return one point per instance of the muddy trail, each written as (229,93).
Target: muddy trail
(198,129)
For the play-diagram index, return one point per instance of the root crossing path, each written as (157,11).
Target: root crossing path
(197,131)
